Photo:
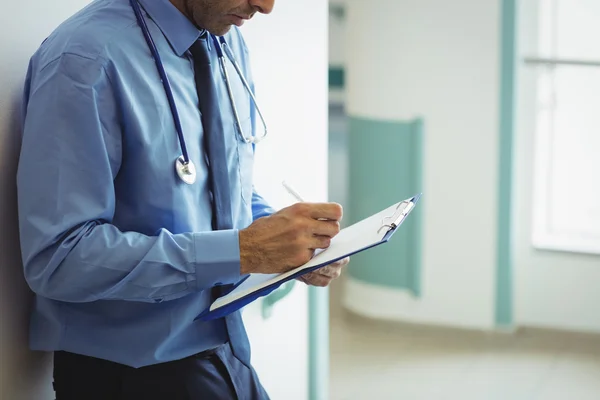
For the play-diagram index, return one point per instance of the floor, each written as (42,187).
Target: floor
(374,361)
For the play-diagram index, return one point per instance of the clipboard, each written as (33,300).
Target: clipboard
(360,236)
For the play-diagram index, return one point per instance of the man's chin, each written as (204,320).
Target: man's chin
(220,30)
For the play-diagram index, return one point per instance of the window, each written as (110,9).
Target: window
(566,181)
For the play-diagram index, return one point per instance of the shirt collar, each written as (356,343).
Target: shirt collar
(178,30)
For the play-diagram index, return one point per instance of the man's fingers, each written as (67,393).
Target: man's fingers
(342,262)
(323,276)
(332,271)
(315,279)
(319,242)
(326,228)
(338,265)
(324,211)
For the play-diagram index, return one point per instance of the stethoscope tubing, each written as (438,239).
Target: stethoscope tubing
(184,166)
(163,77)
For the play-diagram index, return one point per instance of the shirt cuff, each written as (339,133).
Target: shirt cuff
(217,258)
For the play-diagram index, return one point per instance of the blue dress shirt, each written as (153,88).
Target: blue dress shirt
(119,252)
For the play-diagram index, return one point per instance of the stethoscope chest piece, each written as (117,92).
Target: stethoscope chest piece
(186,172)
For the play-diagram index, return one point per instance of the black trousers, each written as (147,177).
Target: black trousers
(212,375)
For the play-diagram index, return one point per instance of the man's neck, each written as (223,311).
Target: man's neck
(182,7)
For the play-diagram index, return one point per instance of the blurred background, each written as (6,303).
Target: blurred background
(490,108)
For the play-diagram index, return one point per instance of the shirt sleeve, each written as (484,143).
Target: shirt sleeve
(260,207)
(70,156)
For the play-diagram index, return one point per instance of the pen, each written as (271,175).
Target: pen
(292,191)
(296,195)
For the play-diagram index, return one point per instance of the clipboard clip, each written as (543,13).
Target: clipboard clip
(396,218)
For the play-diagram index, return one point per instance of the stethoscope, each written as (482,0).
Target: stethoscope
(183,165)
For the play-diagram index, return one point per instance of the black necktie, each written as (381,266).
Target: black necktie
(214,139)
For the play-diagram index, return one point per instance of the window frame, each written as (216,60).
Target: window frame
(542,236)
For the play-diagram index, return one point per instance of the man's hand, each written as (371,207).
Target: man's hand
(288,238)
(324,276)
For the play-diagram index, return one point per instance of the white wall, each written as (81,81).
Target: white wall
(337,50)
(290,70)
(438,60)
(23,375)
(291,86)
(337,32)
(552,289)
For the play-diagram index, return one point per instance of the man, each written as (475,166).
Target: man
(122,254)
